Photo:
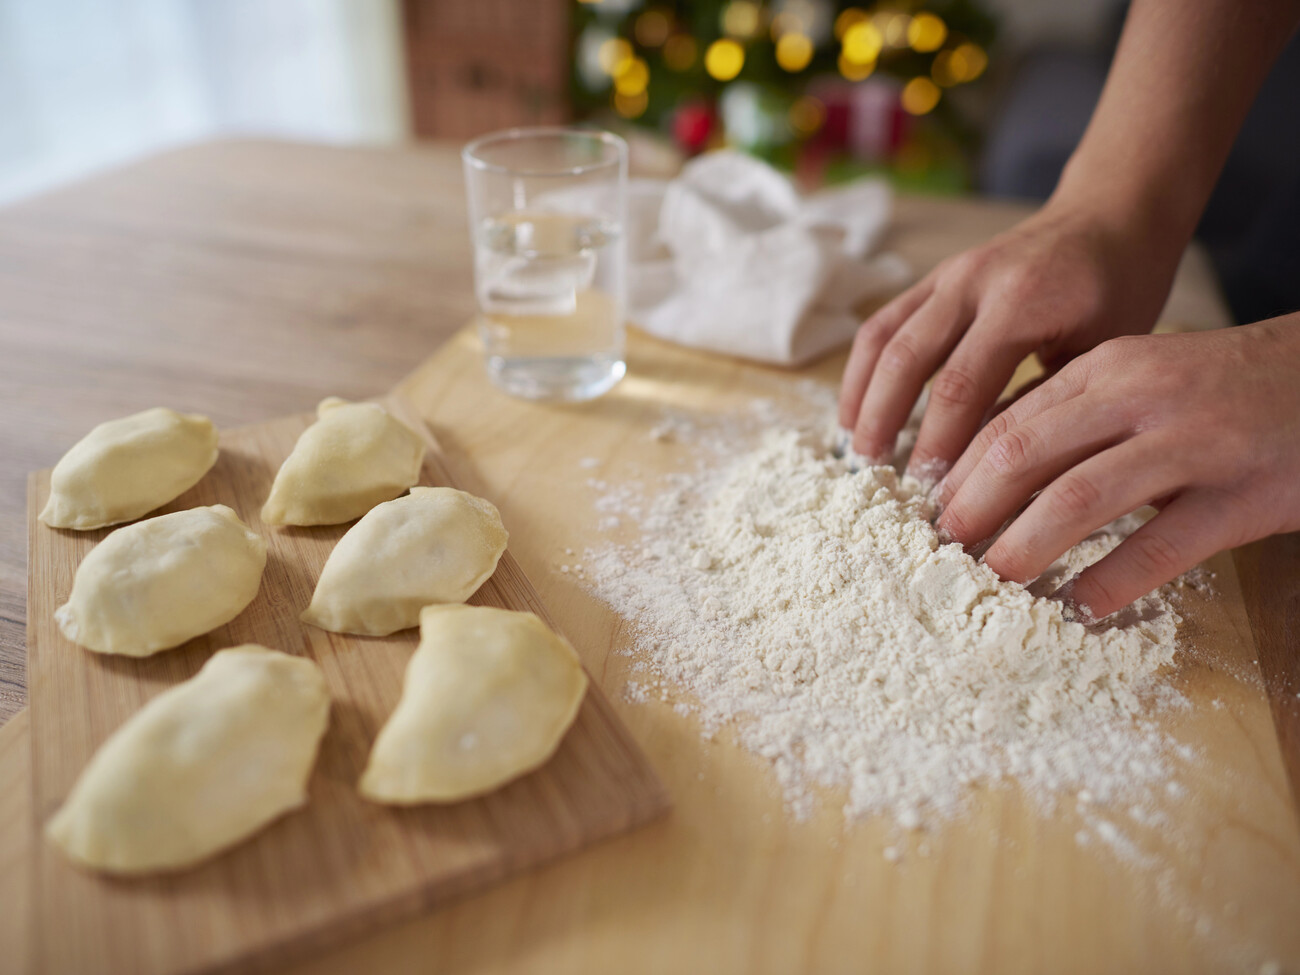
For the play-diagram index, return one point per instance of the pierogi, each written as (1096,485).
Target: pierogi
(200,767)
(125,468)
(436,545)
(353,457)
(155,584)
(488,695)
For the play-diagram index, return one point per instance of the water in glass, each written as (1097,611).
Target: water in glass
(550,298)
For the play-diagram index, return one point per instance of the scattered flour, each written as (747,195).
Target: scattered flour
(810,607)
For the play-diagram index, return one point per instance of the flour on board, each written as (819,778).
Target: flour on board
(811,609)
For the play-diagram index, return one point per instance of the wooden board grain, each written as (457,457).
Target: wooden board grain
(16,845)
(730,883)
(340,865)
(1270,575)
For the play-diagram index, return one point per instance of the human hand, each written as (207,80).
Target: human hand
(1059,283)
(1204,426)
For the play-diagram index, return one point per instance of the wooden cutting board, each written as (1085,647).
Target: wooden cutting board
(340,865)
(729,883)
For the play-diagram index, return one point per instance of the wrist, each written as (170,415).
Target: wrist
(1153,215)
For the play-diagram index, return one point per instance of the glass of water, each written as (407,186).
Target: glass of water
(546,213)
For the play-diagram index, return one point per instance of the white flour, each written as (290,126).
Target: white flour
(812,610)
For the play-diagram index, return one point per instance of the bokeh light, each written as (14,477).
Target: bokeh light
(794,51)
(633,79)
(615,55)
(893,27)
(724,59)
(975,60)
(652,28)
(742,18)
(862,43)
(807,115)
(919,96)
(926,33)
(966,62)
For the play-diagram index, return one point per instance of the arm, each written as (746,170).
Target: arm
(1184,76)
(1097,261)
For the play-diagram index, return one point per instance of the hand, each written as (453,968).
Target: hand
(1059,283)
(1204,426)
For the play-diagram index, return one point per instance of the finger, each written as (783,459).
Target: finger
(867,343)
(1088,496)
(1059,389)
(1015,397)
(1187,532)
(1024,459)
(963,390)
(905,363)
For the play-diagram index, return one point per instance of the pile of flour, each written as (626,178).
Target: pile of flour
(810,608)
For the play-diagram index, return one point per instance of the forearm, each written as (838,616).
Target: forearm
(1183,78)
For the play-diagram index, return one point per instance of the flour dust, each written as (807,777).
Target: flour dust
(808,605)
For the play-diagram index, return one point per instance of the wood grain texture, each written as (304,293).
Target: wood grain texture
(247,280)
(341,865)
(727,883)
(16,845)
(730,884)
(1270,578)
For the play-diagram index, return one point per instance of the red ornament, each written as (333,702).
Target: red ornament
(693,123)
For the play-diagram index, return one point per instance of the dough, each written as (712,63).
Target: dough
(125,468)
(157,583)
(353,457)
(436,545)
(488,695)
(200,767)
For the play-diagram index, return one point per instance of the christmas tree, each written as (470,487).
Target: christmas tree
(830,89)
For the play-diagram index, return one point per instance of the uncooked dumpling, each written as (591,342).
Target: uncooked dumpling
(353,457)
(125,468)
(488,695)
(436,545)
(200,767)
(157,583)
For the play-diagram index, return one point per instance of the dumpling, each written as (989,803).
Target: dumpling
(353,457)
(488,695)
(157,583)
(125,468)
(200,767)
(436,545)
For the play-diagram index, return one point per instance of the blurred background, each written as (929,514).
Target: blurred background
(950,96)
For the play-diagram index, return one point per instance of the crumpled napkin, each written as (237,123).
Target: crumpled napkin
(730,258)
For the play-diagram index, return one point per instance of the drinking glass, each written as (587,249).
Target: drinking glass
(546,214)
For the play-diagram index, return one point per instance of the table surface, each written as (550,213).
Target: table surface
(246,280)
(284,273)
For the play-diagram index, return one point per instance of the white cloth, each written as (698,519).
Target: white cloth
(728,257)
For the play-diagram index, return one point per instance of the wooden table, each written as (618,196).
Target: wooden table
(247,280)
